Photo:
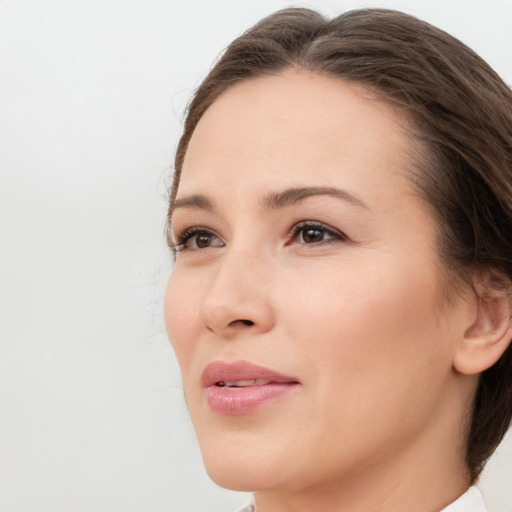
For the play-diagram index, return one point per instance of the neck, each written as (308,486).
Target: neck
(400,492)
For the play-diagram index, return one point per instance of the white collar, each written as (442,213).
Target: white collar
(470,501)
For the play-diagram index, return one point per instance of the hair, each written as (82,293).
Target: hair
(462,112)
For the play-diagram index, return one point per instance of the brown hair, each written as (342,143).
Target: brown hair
(463,113)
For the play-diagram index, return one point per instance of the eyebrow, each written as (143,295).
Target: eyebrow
(193,201)
(273,200)
(290,196)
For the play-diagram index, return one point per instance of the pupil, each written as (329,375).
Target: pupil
(313,235)
(203,240)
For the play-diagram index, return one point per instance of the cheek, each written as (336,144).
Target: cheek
(375,357)
(370,328)
(180,306)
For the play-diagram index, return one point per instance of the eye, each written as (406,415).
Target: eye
(196,238)
(309,232)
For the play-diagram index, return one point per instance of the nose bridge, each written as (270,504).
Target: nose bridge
(238,297)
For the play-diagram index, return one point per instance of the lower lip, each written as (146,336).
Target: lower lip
(238,401)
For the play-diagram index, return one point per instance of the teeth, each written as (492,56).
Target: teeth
(242,383)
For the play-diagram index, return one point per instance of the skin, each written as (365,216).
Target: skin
(357,315)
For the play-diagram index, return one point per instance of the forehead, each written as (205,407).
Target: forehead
(298,126)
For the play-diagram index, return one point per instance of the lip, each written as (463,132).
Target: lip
(243,400)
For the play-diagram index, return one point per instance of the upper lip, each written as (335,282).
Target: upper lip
(220,371)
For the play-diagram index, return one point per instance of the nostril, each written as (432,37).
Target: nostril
(242,321)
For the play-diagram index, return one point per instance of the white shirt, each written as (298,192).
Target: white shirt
(470,501)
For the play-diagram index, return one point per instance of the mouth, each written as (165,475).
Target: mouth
(242,383)
(241,387)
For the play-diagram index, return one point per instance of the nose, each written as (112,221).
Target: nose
(238,298)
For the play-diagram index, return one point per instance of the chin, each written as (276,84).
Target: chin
(245,453)
(242,463)
(239,475)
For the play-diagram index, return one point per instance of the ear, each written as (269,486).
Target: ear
(490,332)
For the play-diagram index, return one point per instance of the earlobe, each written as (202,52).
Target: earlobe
(490,332)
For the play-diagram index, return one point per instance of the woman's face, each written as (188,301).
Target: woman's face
(305,304)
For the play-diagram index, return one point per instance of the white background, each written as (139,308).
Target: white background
(91,411)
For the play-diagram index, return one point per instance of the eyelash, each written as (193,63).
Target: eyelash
(188,234)
(303,226)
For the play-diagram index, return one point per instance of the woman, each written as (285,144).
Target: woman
(341,216)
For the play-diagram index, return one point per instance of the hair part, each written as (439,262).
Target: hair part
(462,125)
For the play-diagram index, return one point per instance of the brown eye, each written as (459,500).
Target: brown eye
(203,240)
(314,233)
(197,238)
